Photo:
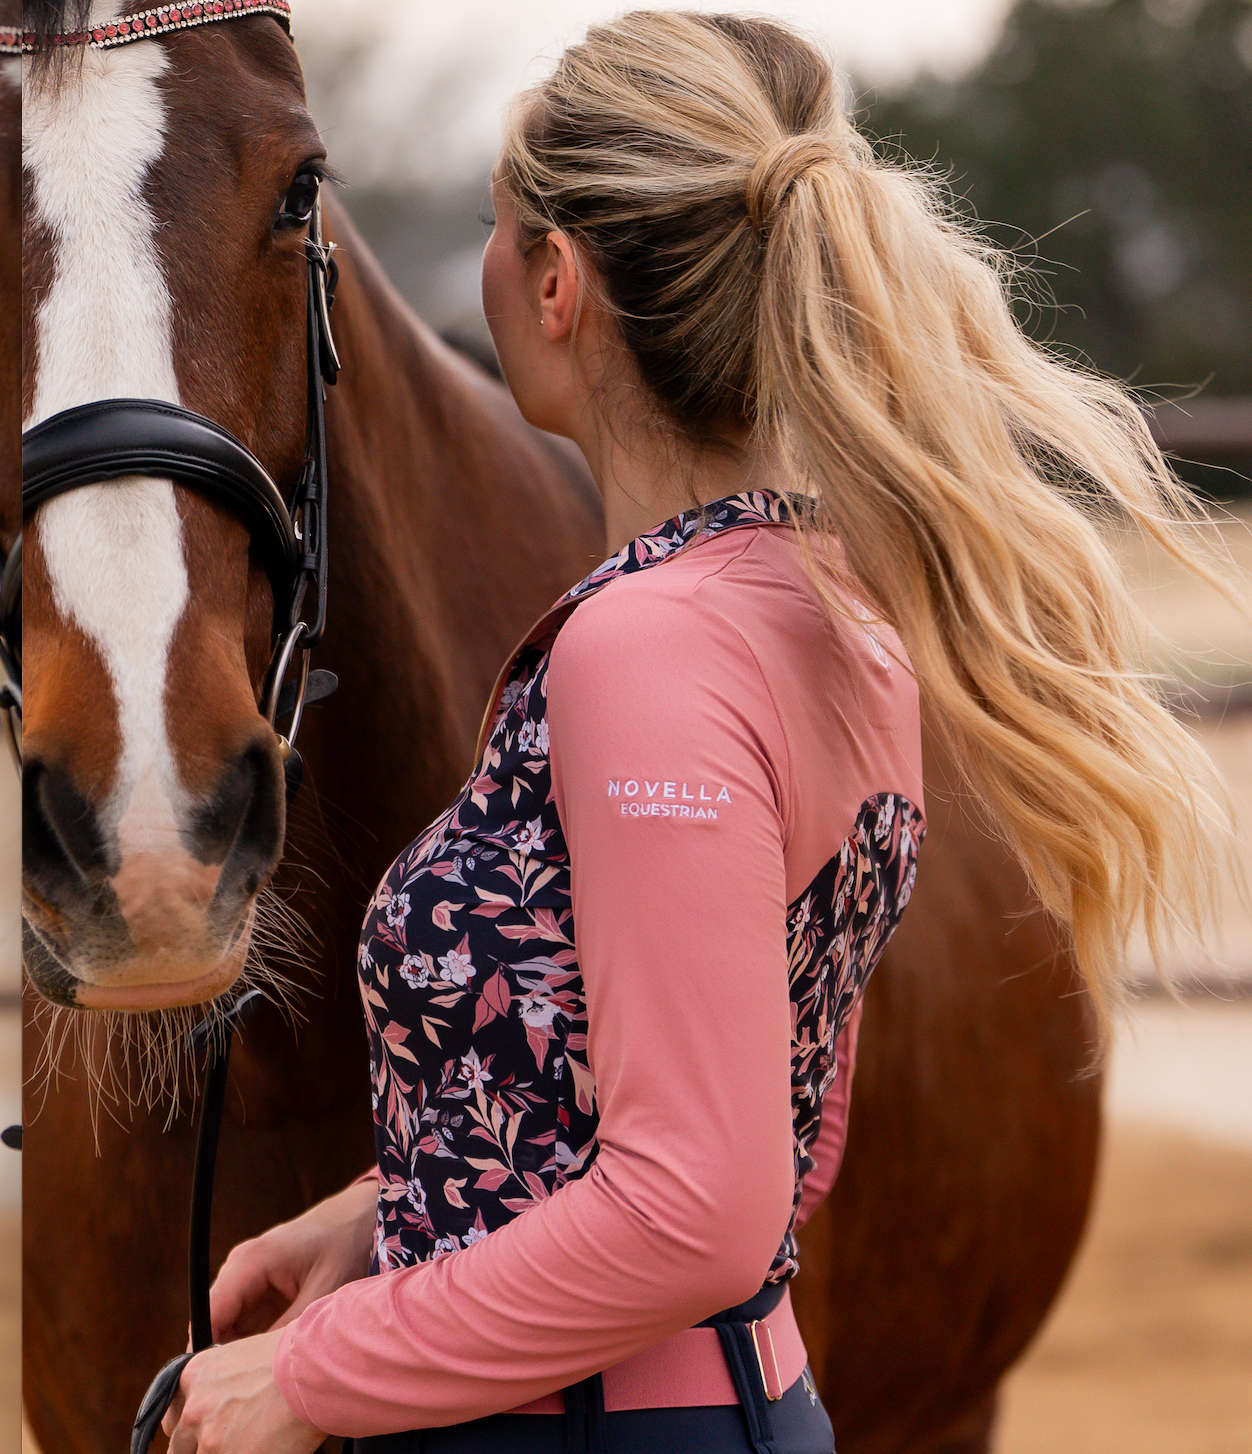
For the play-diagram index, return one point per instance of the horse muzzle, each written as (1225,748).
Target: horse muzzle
(148,907)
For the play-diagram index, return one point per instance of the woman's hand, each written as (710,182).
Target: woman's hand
(267,1282)
(228,1403)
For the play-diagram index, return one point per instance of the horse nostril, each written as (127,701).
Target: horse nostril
(63,848)
(242,825)
(215,823)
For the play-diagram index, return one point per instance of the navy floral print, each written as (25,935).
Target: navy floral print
(484,1102)
(836,932)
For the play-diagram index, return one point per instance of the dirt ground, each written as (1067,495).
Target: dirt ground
(1149,1350)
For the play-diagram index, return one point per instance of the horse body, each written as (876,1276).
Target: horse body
(452,526)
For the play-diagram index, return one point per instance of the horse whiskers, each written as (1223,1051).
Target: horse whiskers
(128,1059)
(142,1059)
(281,937)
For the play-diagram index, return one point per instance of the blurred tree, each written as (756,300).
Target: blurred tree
(1122,129)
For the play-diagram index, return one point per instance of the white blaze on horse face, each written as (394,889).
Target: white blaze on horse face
(114,551)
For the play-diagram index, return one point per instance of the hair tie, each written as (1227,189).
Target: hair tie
(777,169)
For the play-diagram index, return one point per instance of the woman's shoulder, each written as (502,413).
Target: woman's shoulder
(747,590)
(707,591)
(739,618)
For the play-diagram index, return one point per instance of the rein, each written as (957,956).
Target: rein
(217,1033)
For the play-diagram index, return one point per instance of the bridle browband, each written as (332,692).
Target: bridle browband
(112,439)
(144,24)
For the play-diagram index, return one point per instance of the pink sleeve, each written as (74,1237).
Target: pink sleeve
(832,1135)
(679,921)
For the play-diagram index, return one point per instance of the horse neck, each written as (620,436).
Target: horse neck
(451,527)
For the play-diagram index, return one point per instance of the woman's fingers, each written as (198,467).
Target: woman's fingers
(266,1282)
(175,1412)
(259,1315)
(251,1290)
(242,1278)
(320,1281)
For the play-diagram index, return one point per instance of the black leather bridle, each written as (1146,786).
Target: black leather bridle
(113,439)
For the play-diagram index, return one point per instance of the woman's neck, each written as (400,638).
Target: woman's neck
(646,476)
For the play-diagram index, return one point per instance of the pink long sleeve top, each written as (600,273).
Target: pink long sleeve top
(604,989)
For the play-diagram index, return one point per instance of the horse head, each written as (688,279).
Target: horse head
(170,185)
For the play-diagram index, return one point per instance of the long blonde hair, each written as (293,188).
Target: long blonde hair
(767,268)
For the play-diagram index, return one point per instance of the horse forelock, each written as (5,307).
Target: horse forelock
(45,18)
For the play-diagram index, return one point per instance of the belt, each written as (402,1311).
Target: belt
(748,1355)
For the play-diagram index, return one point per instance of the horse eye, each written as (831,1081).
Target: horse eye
(300,200)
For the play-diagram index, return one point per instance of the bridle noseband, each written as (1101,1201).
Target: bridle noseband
(111,439)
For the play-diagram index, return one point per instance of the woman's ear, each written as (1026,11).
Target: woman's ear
(559,288)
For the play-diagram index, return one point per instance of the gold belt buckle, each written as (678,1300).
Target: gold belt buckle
(760,1360)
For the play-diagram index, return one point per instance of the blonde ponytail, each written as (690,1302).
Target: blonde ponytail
(768,269)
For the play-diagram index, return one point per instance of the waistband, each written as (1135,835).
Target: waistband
(690,1369)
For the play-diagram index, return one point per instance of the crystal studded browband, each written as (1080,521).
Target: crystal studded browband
(157,21)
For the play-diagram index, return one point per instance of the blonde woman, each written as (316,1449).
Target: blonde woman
(611,993)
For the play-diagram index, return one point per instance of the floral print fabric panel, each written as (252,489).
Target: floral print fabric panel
(836,933)
(483,1102)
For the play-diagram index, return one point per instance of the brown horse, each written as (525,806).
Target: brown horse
(165,185)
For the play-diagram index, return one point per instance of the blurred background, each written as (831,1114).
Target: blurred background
(1108,146)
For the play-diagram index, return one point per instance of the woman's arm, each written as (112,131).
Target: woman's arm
(679,921)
